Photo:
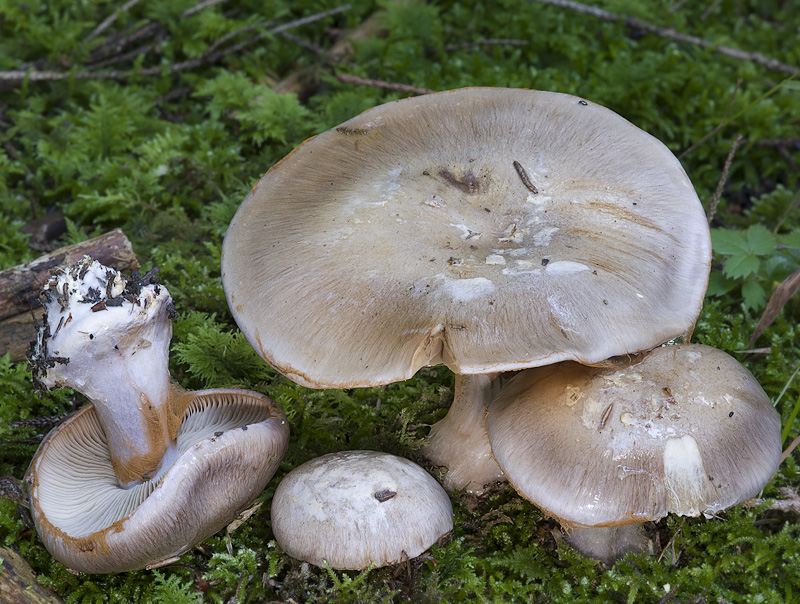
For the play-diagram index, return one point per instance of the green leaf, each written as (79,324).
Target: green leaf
(725,241)
(759,240)
(719,284)
(741,265)
(790,240)
(754,295)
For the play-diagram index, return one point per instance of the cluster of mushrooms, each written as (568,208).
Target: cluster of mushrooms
(537,244)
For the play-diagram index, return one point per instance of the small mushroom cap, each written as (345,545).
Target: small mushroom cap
(356,508)
(688,430)
(229,446)
(488,229)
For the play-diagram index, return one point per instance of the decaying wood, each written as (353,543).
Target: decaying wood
(18,584)
(20,285)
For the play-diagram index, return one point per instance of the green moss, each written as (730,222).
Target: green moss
(168,157)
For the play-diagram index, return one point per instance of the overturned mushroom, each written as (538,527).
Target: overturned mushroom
(486,229)
(355,508)
(117,486)
(687,430)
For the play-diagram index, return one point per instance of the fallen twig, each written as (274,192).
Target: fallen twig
(351,79)
(209,57)
(712,207)
(777,301)
(673,34)
(719,126)
(110,20)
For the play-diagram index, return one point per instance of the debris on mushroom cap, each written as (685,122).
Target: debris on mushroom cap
(149,469)
(230,444)
(687,430)
(487,229)
(356,508)
(79,300)
(108,336)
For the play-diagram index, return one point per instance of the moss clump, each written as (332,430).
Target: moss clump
(198,109)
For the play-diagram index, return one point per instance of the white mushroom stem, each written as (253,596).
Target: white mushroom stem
(611,543)
(459,441)
(109,339)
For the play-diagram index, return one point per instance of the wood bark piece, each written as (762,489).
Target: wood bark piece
(18,584)
(20,285)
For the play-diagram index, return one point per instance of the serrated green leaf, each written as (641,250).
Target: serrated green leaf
(719,284)
(754,295)
(741,265)
(790,240)
(725,241)
(759,240)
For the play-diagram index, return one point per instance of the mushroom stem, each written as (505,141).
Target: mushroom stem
(459,441)
(108,338)
(611,543)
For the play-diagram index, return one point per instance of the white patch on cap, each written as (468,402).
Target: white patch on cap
(462,290)
(685,477)
(565,267)
(544,236)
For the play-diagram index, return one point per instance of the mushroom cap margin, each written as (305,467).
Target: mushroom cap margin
(356,508)
(332,304)
(688,430)
(214,478)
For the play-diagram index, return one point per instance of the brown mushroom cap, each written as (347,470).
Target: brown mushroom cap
(688,430)
(488,229)
(356,508)
(229,445)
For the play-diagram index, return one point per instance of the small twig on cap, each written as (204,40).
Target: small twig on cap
(351,79)
(712,207)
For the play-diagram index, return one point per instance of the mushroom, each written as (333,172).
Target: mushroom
(353,509)
(487,229)
(685,430)
(148,469)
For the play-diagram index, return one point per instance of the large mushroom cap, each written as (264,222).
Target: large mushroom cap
(489,229)
(688,430)
(356,508)
(229,446)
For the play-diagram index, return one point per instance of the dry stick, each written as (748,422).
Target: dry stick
(110,20)
(707,13)
(210,56)
(200,6)
(677,6)
(308,45)
(278,29)
(673,34)
(131,3)
(116,42)
(790,448)
(351,79)
(712,207)
(719,126)
(782,294)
